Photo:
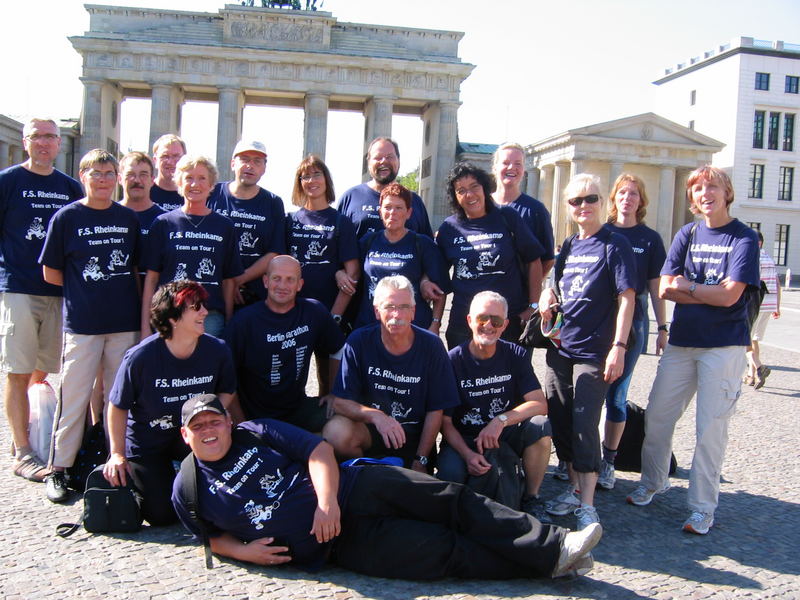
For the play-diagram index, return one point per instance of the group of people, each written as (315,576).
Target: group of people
(216,301)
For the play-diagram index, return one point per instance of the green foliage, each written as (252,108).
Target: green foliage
(410,180)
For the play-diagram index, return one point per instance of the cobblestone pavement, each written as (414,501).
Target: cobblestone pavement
(750,553)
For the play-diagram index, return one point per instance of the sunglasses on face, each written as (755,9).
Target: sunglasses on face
(493,319)
(590,199)
(197,305)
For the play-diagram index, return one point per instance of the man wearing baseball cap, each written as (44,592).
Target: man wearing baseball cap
(258,215)
(270,493)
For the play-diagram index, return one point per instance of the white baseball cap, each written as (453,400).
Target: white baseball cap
(249,146)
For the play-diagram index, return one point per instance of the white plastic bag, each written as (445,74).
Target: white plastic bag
(42,402)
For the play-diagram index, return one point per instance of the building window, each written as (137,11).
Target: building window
(691,125)
(758,129)
(693,97)
(785,181)
(774,129)
(762,81)
(792,84)
(754,226)
(788,132)
(756,189)
(781,247)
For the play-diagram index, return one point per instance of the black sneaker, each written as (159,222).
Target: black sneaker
(56,486)
(535,507)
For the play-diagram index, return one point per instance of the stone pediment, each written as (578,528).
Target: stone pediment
(647,127)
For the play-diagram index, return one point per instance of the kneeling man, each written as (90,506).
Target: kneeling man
(270,493)
(502,404)
(394,381)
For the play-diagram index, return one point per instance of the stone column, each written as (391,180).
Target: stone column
(229,128)
(545,191)
(559,215)
(666,199)
(532,185)
(614,171)
(576,167)
(61,161)
(377,122)
(3,155)
(16,154)
(165,103)
(443,122)
(315,128)
(92,116)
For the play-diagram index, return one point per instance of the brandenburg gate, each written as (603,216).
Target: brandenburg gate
(277,57)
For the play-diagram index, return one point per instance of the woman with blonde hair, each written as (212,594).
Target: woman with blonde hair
(626,211)
(594,287)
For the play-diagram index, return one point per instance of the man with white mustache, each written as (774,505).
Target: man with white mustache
(394,381)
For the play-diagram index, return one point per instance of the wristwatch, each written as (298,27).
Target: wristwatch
(663,328)
(423,460)
(337,318)
(534,305)
(621,344)
(503,419)
(692,288)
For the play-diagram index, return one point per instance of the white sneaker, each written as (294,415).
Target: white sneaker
(586,516)
(575,546)
(563,504)
(699,522)
(642,496)
(607,476)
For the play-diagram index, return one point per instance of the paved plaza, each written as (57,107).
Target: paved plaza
(750,553)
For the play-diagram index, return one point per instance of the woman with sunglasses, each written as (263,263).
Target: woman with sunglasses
(396,250)
(154,380)
(489,248)
(626,212)
(595,281)
(194,242)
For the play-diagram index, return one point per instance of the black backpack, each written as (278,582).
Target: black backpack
(629,452)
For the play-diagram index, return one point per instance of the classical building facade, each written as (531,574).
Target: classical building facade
(245,55)
(746,93)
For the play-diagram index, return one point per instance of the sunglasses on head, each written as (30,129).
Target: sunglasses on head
(590,199)
(494,319)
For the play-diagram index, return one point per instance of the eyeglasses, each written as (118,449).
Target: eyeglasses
(590,199)
(396,307)
(197,305)
(100,175)
(474,189)
(42,137)
(311,176)
(258,161)
(493,319)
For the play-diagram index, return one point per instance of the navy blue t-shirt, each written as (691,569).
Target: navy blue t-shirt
(381,258)
(648,253)
(489,387)
(259,224)
(273,352)
(263,489)
(405,387)
(730,251)
(97,251)
(322,241)
(166,199)
(537,218)
(597,270)
(152,384)
(27,203)
(361,204)
(201,248)
(483,254)
(146,218)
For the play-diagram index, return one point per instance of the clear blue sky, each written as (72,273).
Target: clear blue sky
(541,67)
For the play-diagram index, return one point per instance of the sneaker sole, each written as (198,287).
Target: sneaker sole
(578,565)
(562,512)
(630,499)
(687,527)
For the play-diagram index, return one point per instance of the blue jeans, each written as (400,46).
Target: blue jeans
(617,395)
(215,323)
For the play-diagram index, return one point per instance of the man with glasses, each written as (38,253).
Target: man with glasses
(502,405)
(30,308)
(167,151)
(136,179)
(258,215)
(91,250)
(394,382)
(272,344)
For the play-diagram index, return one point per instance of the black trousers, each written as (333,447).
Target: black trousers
(402,524)
(152,477)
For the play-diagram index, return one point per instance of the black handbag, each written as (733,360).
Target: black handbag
(107,508)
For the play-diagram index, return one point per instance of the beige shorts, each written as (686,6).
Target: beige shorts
(30,333)
(760,326)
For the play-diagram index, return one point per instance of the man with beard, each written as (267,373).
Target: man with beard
(394,382)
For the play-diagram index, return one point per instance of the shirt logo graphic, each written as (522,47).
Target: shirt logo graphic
(36,230)
(206,268)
